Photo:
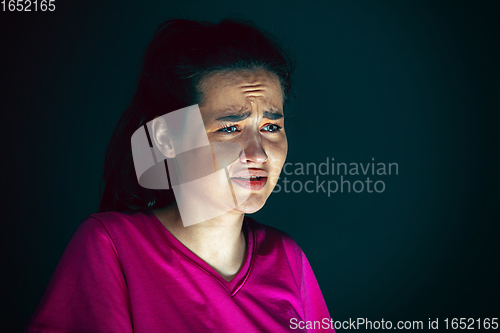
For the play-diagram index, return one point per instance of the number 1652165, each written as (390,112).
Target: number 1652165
(28,5)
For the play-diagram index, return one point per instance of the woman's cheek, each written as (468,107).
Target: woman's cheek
(280,149)
(277,156)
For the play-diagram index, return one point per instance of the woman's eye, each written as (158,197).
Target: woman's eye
(229,129)
(271,128)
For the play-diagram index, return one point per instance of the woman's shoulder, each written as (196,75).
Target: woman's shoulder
(113,219)
(101,223)
(117,226)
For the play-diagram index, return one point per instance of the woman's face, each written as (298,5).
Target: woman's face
(246,107)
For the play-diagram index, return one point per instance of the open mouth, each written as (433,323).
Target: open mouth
(253,183)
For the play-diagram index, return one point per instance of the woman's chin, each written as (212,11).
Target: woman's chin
(251,205)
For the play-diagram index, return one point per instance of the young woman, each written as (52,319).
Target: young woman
(137,265)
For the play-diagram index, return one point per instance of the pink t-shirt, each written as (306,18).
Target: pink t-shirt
(125,272)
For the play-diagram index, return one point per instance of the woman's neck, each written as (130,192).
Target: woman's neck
(220,242)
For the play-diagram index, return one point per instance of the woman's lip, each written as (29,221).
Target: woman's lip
(253,185)
(250,172)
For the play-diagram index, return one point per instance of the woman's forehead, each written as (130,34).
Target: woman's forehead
(240,89)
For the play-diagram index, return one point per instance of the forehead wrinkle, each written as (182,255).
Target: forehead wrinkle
(254,94)
(254,86)
(250,90)
(257,90)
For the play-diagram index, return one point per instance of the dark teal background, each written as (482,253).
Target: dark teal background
(411,82)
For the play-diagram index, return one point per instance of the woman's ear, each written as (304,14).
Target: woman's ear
(162,138)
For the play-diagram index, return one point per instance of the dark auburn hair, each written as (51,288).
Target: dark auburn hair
(181,54)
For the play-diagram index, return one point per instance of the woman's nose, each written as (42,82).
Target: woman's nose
(253,152)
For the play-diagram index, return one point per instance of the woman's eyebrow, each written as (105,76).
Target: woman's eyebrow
(236,117)
(273,115)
